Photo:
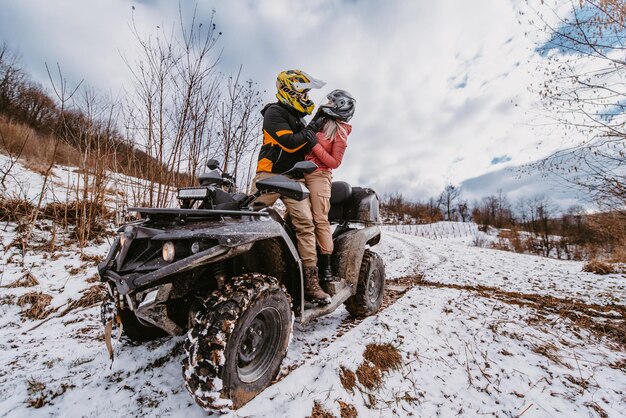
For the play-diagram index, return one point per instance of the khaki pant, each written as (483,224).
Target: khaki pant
(319,184)
(301,218)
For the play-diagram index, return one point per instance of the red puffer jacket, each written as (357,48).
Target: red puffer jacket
(328,152)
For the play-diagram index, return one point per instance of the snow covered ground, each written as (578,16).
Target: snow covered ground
(472,343)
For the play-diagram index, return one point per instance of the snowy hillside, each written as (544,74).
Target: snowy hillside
(471,344)
(480,332)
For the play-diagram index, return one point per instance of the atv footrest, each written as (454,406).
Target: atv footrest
(340,297)
(334,287)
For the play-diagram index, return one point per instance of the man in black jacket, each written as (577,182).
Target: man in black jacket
(286,139)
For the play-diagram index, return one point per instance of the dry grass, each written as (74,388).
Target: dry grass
(620,365)
(88,218)
(319,411)
(598,267)
(369,376)
(384,356)
(59,212)
(27,280)
(95,259)
(13,210)
(35,390)
(347,379)
(39,395)
(93,279)
(601,412)
(37,150)
(550,351)
(7,300)
(37,305)
(618,255)
(92,296)
(74,211)
(347,410)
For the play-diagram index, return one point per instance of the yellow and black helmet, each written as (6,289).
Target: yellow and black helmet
(293,88)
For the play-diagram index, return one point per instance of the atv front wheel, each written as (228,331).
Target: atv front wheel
(237,342)
(370,288)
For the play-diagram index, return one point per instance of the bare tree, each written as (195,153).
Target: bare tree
(494,210)
(240,122)
(463,210)
(11,77)
(584,91)
(64,94)
(170,106)
(447,199)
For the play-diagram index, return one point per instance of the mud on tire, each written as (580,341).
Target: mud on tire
(237,342)
(370,288)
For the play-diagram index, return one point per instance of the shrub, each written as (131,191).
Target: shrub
(598,267)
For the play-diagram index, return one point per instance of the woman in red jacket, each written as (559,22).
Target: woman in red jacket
(327,152)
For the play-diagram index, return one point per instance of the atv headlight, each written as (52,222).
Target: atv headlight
(193,193)
(168,251)
(198,246)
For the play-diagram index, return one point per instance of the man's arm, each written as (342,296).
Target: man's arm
(277,131)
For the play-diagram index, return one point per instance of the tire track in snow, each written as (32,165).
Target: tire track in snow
(403,259)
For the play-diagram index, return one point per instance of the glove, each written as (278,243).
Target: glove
(319,114)
(316,125)
(310,137)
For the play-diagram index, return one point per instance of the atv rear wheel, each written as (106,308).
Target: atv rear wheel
(370,288)
(237,342)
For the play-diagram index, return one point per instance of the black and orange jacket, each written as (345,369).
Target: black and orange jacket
(284,142)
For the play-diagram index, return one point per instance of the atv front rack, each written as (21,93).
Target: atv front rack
(193,213)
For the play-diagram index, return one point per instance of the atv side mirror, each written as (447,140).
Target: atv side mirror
(212,177)
(213,164)
(300,169)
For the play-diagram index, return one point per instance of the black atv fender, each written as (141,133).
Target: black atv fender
(234,238)
(349,249)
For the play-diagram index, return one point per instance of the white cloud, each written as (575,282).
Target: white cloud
(441,87)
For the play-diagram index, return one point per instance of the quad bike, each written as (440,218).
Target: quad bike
(227,272)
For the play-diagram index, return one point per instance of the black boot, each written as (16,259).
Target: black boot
(326,272)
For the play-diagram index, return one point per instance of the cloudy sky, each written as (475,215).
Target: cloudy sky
(441,86)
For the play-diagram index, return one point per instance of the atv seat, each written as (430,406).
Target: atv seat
(352,204)
(340,192)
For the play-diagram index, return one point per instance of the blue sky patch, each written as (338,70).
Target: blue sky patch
(614,110)
(462,84)
(501,159)
(579,30)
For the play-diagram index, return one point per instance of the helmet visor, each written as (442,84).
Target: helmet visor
(313,83)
